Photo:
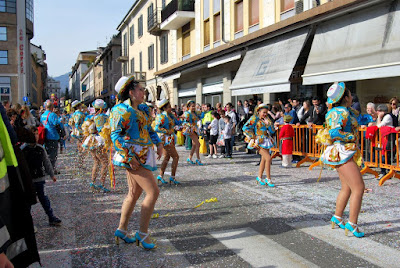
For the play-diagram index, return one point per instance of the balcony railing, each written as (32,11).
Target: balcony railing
(176,5)
(153,23)
(139,76)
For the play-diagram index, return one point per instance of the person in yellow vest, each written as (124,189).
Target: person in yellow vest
(16,226)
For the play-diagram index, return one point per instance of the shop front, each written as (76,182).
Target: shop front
(363,47)
(272,68)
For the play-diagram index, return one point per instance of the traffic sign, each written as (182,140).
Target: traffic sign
(112,97)
(25,98)
(4,90)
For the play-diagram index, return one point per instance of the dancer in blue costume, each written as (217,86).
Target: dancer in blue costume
(78,118)
(258,130)
(341,138)
(134,140)
(95,143)
(190,129)
(166,123)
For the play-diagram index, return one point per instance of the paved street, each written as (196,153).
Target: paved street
(249,226)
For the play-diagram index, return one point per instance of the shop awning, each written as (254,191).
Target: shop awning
(267,67)
(358,46)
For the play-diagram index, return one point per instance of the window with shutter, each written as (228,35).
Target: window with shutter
(217,27)
(186,44)
(238,16)
(286,5)
(254,15)
(151,56)
(140,26)
(207,32)
(132,34)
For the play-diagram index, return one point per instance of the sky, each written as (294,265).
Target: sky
(64,28)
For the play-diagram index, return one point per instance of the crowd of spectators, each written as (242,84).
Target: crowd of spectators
(220,127)
(309,112)
(26,164)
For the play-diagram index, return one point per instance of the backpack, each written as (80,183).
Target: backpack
(395,120)
(237,118)
(34,158)
(42,132)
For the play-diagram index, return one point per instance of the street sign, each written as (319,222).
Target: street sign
(25,98)
(4,90)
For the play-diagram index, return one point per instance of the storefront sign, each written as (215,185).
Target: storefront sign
(21,51)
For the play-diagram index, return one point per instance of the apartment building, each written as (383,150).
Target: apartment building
(16,31)
(36,91)
(111,70)
(54,87)
(82,64)
(87,85)
(146,48)
(98,81)
(269,49)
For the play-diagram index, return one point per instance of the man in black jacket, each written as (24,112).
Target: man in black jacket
(316,113)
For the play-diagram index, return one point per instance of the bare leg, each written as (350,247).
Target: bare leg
(215,149)
(267,157)
(352,176)
(343,196)
(95,165)
(130,201)
(165,161)
(104,165)
(261,167)
(175,159)
(145,180)
(195,145)
(211,149)
(193,150)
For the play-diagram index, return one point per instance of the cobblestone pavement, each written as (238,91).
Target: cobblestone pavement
(249,226)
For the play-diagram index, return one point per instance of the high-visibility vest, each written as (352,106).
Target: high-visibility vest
(7,156)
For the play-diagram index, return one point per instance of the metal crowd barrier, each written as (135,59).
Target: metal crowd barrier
(370,152)
(389,156)
(373,153)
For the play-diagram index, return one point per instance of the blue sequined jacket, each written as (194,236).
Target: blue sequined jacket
(100,120)
(131,127)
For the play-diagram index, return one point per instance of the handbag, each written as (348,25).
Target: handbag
(61,131)
(221,141)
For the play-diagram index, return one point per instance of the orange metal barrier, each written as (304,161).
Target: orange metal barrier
(303,143)
(373,153)
(389,156)
(369,151)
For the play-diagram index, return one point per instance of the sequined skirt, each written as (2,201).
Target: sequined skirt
(339,153)
(144,154)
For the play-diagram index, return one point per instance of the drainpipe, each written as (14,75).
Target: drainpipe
(156,52)
(223,22)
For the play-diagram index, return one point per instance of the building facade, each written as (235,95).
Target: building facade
(110,70)
(53,87)
(36,93)
(84,60)
(236,50)
(16,31)
(87,85)
(146,48)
